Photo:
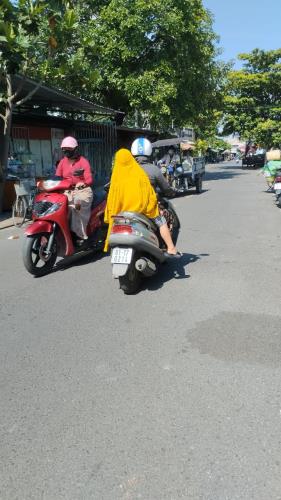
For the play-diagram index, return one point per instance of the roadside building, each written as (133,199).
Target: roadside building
(40,124)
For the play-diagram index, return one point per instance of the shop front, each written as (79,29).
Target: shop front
(41,123)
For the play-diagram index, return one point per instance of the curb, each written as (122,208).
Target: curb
(4,224)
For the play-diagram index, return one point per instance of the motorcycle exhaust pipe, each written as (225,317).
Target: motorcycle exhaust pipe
(145,266)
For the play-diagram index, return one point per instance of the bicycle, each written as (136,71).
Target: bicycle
(22,206)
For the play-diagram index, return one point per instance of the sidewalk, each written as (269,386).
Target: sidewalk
(6,220)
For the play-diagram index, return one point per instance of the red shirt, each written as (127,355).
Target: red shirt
(66,169)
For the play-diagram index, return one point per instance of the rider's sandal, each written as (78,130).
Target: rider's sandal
(177,255)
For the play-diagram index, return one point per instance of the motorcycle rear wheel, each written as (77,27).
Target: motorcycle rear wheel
(173,224)
(131,281)
(33,254)
(198,185)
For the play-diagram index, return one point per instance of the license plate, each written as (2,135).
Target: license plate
(121,255)
(277,185)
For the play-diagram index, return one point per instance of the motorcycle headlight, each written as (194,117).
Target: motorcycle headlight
(53,208)
(43,208)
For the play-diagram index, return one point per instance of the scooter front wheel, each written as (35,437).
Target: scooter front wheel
(131,281)
(35,257)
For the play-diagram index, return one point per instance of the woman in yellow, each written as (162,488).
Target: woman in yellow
(130,190)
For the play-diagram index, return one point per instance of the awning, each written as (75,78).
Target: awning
(185,146)
(173,141)
(52,99)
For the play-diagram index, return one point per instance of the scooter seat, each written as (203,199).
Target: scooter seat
(99,197)
(141,218)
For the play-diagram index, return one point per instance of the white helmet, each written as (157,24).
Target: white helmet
(141,147)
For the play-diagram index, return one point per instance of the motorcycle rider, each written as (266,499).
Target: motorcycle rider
(77,168)
(142,150)
(171,158)
(130,190)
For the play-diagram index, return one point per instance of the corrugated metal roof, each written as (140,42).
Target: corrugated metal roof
(51,98)
(173,141)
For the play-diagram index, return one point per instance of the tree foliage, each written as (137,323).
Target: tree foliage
(21,43)
(156,58)
(253,100)
(22,47)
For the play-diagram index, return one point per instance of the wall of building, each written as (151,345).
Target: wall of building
(34,149)
(35,145)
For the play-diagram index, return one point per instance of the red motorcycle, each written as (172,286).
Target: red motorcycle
(49,235)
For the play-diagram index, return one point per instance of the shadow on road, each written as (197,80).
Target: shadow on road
(173,269)
(79,260)
(224,173)
(190,192)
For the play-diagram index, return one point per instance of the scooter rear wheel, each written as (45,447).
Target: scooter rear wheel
(199,185)
(34,259)
(131,281)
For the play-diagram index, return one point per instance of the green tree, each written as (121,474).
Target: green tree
(22,48)
(154,60)
(253,98)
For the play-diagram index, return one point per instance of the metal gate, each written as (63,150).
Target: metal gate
(19,140)
(97,142)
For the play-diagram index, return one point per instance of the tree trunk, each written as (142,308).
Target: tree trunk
(5,130)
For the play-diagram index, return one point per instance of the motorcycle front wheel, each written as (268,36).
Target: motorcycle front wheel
(36,261)
(131,281)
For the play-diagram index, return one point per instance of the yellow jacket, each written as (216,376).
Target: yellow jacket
(130,190)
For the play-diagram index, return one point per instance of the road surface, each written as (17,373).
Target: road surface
(174,393)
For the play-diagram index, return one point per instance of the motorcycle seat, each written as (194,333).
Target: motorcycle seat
(99,197)
(141,218)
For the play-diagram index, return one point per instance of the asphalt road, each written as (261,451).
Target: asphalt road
(174,393)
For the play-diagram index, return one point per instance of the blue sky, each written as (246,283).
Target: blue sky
(244,25)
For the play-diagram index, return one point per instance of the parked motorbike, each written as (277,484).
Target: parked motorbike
(49,235)
(137,249)
(277,189)
(270,176)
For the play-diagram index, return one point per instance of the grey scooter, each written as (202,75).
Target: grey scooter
(137,249)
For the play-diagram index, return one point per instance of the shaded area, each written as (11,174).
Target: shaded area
(223,173)
(76,260)
(82,259)
(172,269)
(238,337)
